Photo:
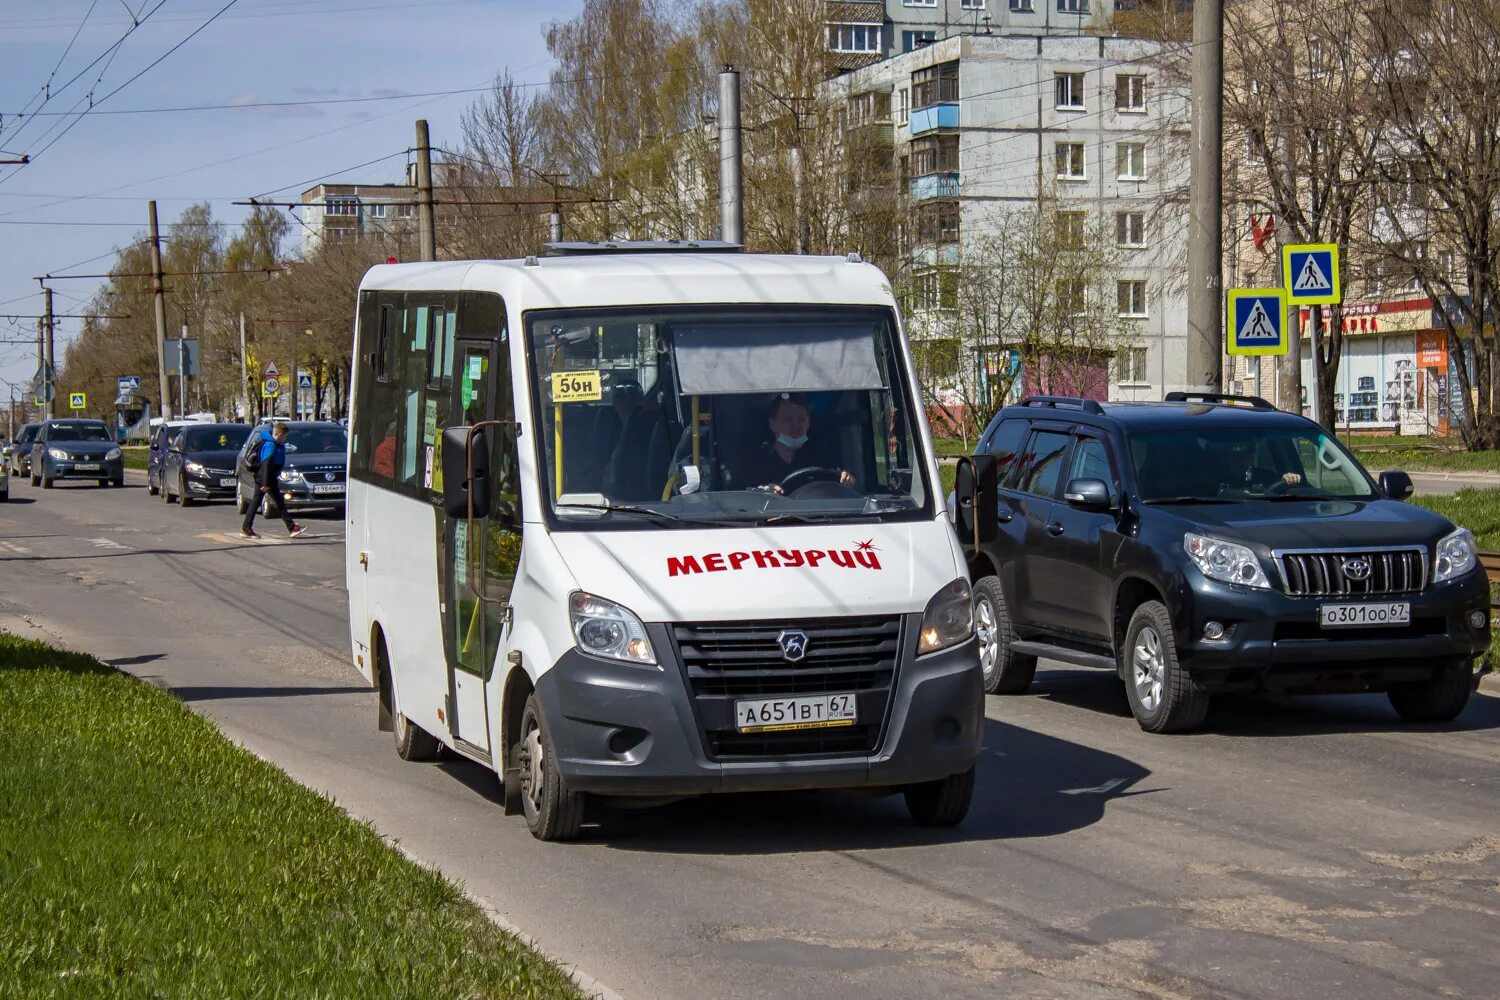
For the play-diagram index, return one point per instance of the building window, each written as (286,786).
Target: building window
(1317,62)
(1130,366)
(1448,263)
(1070,229)
(913,40)
(341,206)
(405,211)
(1130,297)
(935,289)
(937,222)
(905,106)
(1130,93)
(854,37)
(1072,6)
(919,3)
(934,154)
(934,85)
(1070,161)
(1071,300)
(1130,229)
(971,4)
(1069,91)
(1021,7)
(377,211)
(1130,161)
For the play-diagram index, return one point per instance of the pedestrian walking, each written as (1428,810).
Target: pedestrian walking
(270,459)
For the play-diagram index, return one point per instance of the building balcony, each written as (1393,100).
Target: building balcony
(933,117)
(940,185)
(934,256)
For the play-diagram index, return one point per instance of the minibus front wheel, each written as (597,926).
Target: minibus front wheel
(944,802)
(552,811)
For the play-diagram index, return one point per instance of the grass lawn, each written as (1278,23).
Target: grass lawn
(135,456)
(1477,510)
(1413,454)
(144,855)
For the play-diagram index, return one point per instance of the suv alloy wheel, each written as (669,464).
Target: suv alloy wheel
(1005,672)
(1164,698)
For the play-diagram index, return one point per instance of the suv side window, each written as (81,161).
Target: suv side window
(1005,444)
(1043,463)
(1091,461)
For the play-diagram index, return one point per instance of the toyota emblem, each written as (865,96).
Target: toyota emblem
(793,643)
(1357,568)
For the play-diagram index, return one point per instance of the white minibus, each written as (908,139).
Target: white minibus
(653,521)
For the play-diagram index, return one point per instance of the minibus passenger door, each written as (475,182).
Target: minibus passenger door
(481,553)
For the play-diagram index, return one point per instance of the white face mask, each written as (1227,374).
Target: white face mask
(791,442)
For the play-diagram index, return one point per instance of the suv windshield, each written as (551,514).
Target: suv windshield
(78,432)
(1245,463)
(214,438)
(726,413)
(316,440)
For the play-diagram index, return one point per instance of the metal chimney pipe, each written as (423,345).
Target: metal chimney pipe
(731,181)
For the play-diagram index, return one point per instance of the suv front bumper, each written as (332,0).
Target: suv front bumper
(1275,642)
(934,728)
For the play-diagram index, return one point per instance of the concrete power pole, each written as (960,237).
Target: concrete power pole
(49,373)
(1205,342)
(426,224)
(731,186)
(159,305)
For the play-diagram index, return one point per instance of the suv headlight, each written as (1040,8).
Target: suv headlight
(604,628)
(196,468)
(1227,562)
(949,618)
(288,476)
(1456,555)
(112,454)
(58,454)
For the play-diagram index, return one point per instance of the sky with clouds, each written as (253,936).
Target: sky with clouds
(85,192)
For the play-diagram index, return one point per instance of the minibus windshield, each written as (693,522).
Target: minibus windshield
(724,414)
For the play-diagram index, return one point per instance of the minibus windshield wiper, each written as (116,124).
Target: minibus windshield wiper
(661,515)
(846,517)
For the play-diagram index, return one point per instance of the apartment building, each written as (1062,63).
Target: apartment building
(339,213)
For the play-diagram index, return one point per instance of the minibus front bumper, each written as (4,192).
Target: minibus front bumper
(621,729)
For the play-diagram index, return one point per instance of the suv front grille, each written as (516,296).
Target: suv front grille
(1328,574)
(727,661)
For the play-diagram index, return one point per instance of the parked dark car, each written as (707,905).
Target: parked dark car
(199,462)
(75,448)
(19,457)
(1212,543)
(316,470)
(156,453)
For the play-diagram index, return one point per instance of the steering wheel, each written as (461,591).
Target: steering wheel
(794,481)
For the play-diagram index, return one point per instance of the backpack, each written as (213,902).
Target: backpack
(252,457)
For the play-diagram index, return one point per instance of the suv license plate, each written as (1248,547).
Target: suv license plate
(1362,615)
(772,715)
(322,488)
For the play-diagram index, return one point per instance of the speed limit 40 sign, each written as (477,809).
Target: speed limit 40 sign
(270,388)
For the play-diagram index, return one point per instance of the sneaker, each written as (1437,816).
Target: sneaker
(248,533)
(298,529)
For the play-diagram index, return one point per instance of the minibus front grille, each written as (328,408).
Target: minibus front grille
(728,661)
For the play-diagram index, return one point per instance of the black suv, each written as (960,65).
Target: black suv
(1211,543)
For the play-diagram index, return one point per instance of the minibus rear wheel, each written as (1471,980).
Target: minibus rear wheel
(552,812)
(941,803)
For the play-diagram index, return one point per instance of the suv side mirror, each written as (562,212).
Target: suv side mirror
(1396,485)
(975,500)
(1088,494)
(466,486)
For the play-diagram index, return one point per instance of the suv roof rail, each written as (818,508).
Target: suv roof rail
(1086,405)
(578,249)
(1255,402)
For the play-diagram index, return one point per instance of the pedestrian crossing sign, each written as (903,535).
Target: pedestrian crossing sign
(1257,321)
(1311,274)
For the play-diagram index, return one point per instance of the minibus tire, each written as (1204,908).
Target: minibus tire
(413,743)
(552,812)
(941,803)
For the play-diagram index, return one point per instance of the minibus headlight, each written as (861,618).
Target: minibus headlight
(949,618)
(604,628)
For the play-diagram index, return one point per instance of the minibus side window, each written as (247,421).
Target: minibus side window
(374,429)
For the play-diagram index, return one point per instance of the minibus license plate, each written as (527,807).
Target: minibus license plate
(772,715)
(1362,615)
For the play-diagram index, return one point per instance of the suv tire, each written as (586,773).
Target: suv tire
(151,490)
(941,803)
(552,811)
(1440,699)
(183,500)
(1005,672)
(1164,698)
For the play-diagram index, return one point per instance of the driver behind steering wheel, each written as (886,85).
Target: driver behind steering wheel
(786,452)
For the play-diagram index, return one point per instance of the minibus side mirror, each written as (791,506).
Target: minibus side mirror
(975,499)
(1396,485)
(466,472)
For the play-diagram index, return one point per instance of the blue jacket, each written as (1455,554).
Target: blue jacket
(272,459)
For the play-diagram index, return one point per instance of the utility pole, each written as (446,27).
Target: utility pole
(426,224)
(731,188)
(1205,342)
(797,189)
(244,372)
(159,304)
(181,373)
(554,224)
(49,373)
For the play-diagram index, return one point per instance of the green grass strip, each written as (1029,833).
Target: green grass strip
(144,855)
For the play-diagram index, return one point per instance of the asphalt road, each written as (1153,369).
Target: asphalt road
(1312,848)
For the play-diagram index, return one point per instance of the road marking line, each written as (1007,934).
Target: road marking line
(17,549)
(107,543)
